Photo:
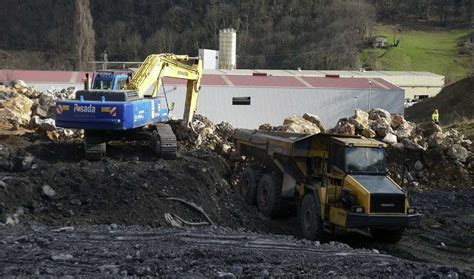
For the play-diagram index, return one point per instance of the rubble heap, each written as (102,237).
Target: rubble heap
(306,124)
(24,107)
(204,134)
(421,155)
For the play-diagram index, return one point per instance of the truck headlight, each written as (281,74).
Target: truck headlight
(357,209)
(411,210)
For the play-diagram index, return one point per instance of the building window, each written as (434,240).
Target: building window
(419,97)
(239,101)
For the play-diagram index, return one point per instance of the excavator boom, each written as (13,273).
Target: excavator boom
(157,66)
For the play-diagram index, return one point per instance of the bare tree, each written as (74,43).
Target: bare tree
(84,35)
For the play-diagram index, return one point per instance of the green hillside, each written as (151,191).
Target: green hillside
(423,48)
(455,104)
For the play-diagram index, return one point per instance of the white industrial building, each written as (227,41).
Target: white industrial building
(417,85)
(248,100)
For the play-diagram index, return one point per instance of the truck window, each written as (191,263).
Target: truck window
(365,160)
(336,156)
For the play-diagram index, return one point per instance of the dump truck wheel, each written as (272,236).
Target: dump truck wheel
(387,236)
(248,185)
(269,199)
(310,219)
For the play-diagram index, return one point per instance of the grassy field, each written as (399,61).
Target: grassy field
(422,48)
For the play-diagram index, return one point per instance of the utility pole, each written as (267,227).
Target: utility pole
(370,95)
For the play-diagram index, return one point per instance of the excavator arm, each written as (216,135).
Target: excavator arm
(157,66)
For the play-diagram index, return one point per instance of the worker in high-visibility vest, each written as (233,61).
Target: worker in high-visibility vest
(435,116)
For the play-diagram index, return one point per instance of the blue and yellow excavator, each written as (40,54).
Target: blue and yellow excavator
(117,107)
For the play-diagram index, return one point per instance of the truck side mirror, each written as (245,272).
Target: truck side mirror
(171,107)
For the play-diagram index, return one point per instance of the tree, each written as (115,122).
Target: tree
(84,35)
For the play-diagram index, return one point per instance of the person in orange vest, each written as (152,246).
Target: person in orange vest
(435,116)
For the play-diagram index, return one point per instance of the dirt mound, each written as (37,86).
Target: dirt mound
(51,184)
(454,103)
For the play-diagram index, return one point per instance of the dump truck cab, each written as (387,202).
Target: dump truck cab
(359,194)
(335,181)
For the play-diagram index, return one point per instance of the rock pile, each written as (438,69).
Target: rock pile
(306,124)
(25,107)
(434,158)
(15,109)
(204,134)
(421,155)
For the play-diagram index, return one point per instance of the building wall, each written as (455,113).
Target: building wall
(412,91)
(273,105)
(210,58)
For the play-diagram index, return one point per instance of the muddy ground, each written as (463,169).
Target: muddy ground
(212,252)
(127,194)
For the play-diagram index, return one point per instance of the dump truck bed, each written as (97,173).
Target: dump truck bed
(288,144)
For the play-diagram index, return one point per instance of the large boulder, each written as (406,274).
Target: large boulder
(18,84)
(390,138)
(314,119)
(265,127)
(451,137)
(368,133)
(435,140)
(15,109)
(410,145)
(360,120)
(47,124)
(377,113)
(397,120)
(297,124)
(381,126)
(428,128)
(458,152)
(404,130)
(343,127)
(47,102)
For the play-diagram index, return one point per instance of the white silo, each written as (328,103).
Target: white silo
(227,49)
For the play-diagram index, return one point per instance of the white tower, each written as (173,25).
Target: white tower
(227,49)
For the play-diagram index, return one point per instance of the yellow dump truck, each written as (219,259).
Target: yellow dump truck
(335,182)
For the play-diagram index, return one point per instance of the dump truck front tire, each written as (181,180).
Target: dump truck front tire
(310,219)
(248,185)
(269,199)
(387,236)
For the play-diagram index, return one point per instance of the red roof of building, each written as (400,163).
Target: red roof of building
(216,80)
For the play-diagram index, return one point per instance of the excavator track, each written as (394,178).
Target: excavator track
(94,145)
(164,141)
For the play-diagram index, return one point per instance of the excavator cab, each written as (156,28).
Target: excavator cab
(109,80)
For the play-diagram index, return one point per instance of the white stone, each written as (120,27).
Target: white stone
(390,138)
